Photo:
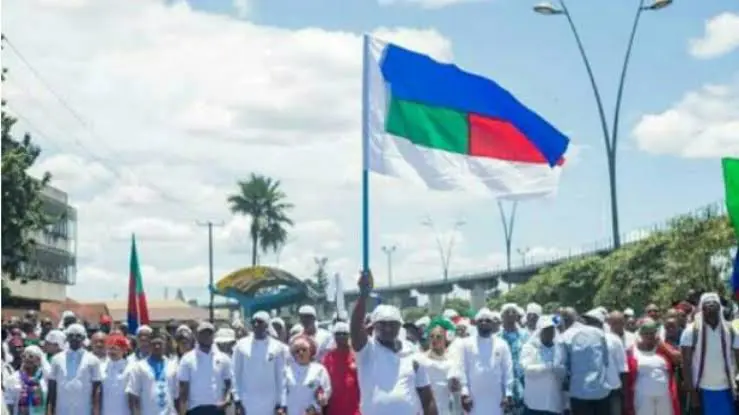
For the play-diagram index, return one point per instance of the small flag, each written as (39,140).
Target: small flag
(437,125)
(731,181)
(138,312)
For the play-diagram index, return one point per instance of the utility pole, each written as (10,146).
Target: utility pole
(523,252)
(389,250)
(508,222)
(445,254)
(210,225)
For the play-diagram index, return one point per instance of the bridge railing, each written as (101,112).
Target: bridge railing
(712,210)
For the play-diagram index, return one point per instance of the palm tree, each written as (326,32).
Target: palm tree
(261,198)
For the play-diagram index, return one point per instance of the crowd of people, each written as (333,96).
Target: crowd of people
(510,361)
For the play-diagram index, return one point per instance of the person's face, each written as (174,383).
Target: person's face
(51,348)
(30,361)
(260,328)
(617,323)
(682,318)
(184,343)
(32,317)
(387,331)
(205,338)
(278,329)
(226,347)
(485,326)
(97,342)
(75,341)
(105,328)
(157,347)
(342,340)
(672,328)
(630,323)
(462,331)
(115,352)
(649,338)
(411,334)
(711,309)
(437,338)
(301,352)
(653,312)
(46,325)
(143,341)
(531,319)
(510,317)
(547,335)
(307,320)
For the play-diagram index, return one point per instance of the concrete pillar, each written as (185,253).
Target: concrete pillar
(435,303)
(477,296)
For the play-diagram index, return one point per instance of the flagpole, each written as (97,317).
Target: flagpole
(365,154)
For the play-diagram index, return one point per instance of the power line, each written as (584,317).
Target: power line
(99,140)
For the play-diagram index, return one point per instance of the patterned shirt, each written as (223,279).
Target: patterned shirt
(516,339)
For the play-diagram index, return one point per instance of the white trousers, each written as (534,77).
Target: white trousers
(654,405)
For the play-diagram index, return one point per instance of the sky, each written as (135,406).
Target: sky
(148,113)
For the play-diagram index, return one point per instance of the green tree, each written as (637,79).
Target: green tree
(22,207)
(320,278)
(411,314)
(262,199)
(460,305)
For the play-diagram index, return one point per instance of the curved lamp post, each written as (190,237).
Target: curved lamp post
(445,254)
(610,139)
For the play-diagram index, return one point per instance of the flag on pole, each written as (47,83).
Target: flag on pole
(731,182)
(138,312)
(435,124)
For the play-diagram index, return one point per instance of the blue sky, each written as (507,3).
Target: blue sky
(533,56)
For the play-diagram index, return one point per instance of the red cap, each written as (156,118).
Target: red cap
(105,319)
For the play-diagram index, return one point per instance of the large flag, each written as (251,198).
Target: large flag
(731,181)
(138,312)
(435,124)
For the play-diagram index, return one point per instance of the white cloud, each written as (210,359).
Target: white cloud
(702,124)
(427,4)
(720,37)
(178,105)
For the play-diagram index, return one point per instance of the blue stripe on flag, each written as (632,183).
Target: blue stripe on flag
(415,77)
(735,276)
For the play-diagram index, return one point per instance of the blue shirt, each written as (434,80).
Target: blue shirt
(587,362)
(516,340)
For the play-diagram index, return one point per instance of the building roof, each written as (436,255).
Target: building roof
(159,310)
(89,312)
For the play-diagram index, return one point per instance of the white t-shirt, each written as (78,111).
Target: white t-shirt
(653,379)
(155,398)
(714,371)
(74,373)
(388,380)
(206,374)
(616,361)
(115,379)
(302,383)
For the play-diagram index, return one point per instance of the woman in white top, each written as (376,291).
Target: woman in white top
(438,362)
(651,388)
(115,371)
(308,386)
(26,390)
(542,361)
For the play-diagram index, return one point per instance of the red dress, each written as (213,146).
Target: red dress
(342,370)
(629,389)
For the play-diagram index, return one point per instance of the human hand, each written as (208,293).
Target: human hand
(467,403)
(365,283)
(455,385)
(507,403)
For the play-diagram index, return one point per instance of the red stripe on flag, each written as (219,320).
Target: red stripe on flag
(498,139)
(132,308)
(143,309)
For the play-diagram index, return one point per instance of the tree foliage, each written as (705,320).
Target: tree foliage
(661,269)
(262,199)
(460,305)
(22,205)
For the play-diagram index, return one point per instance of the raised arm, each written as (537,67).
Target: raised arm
(356,329)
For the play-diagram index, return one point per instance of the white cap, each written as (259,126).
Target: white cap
(387,313)
(596,314)
(280,322)
(76,329)
(296,329)
(307,310)
(509,307)
(262,316)
(534,308)
(144,330)
(225,335)
(68,314)
(545,322)
(340,327)
(484,314)
(450,313)
(423,321)
(56,337)
(629,312)
(205,325)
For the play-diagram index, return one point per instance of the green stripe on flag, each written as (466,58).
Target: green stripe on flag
(134,267)
(425,126)
(731,181)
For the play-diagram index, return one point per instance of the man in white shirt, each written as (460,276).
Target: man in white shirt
(259,370)
(710,352)
(483,369)
(542,361)
(152,382)
(617,366)
(205,377)
(323,339)
(75,378)
(391,382)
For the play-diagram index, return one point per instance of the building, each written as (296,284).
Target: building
(54,260)
(161,311)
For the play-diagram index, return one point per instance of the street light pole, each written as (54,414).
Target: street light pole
(610,139)
(508,222)
(523,252)
(445,254)
(389,250)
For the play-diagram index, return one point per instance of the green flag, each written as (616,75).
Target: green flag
(731,180)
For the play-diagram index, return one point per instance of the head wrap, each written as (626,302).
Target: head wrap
(34,351)
(597,314)
(278,321)
(544,322)
(183,331)
(225,335)
(445,324)
(117,340)
(508,307)
(302,338)
(144,330)
(56,337)
(648,325)
(484,314)
(629,312)
(76,329)
(307,310)
(262,316)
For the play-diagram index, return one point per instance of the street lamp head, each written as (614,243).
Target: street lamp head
(547,9)
(658,4)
